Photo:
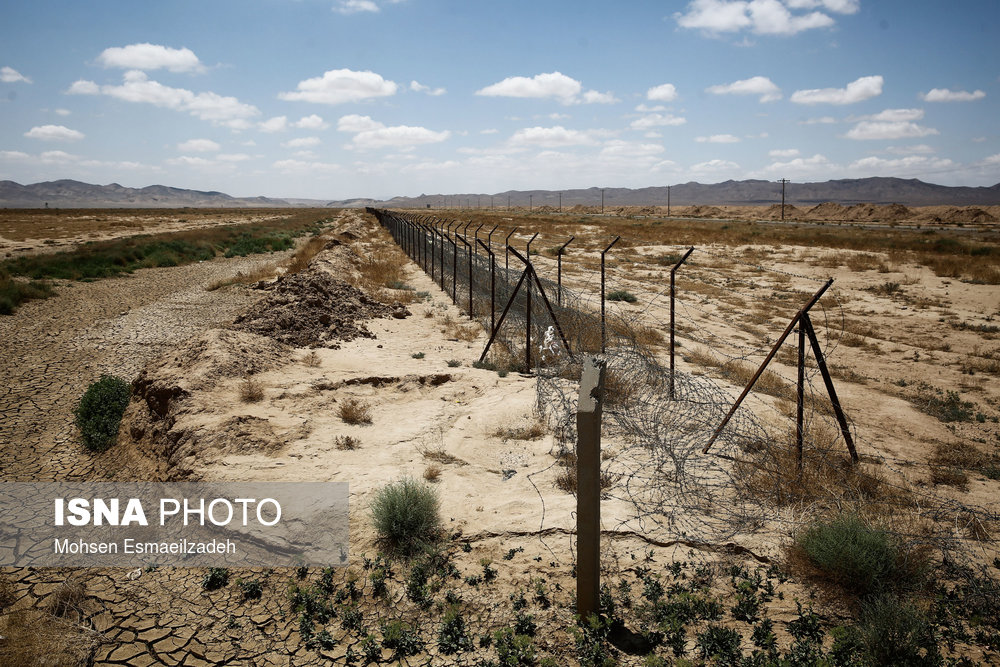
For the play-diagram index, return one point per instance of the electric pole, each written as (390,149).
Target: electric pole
(560,202)
(602,201)
(529,203)
(668,201)
(783,181)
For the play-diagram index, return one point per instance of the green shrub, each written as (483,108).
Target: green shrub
(215,578)
(622,295)
(859,558)
(891,632)
(100,411)
(405,515)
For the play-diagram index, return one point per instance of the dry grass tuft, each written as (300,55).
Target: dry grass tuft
(530,431)
(33,638)
(312,359)
(441,456)
(66,599)
(432,473)
(255,275)
(300,260)
(566,479)
(353,411)
(251,390)
(346,443)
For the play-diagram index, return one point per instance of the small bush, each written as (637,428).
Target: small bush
(861,559)
(405,515)
(100,411)
(454,363)
(432,472)
(251,390)
(621,295)
(215,578)
(251,589)
(353,411)
(66,598)
(346,443)
(417,355)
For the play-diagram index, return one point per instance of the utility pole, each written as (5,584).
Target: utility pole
(668,201)
(560,202)
(602,201)
(491,203)
(783,181)
(478,199)
(508,202)
(529,203)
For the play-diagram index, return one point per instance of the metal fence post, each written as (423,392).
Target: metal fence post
(559,255)
(604,336)
(588,488)
(506,253)
(673,271)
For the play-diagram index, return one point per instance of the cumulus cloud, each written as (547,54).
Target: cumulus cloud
(356,123)
(302,142)
(763,17)
(11,75)
(783,152)
(619,148)
(399,136)
(891,124)
(665,92)
(418,87)
(339,86)
(756,85)
(825,120)
(857,91)
(276,124)
(798,167)
(944,95)
(715,166)
(150,57)
(53,133)
(911,164)
(918,149)
(551,85)
(198,146)
(718,139)
(656,120)
(63,112)
(356,7)
(551,137)
(311,122)
(138,88)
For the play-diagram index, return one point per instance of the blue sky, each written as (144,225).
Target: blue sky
(358,98)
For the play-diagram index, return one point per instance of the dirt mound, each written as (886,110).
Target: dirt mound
(705,212)
(966,214)
(773,212)
(314,309)
(827,211)
(877,213)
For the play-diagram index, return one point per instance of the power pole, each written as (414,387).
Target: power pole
(668,201)
(529,203)
(508,202)
(602,201)
(783,181)
(560,202)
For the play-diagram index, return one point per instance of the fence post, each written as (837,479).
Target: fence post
(528,247)
(800,395)
(559,255)
(588,488)
(493,285)
(603,321)
(672,295)
(506,253)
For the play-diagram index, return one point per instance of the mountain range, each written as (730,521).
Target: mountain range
(911,192)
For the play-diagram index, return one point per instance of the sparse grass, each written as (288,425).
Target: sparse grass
(432,472)
(312,359)
(406,516)
(255,275)
(251,390)
(354,411)
(300,260)
(454,363)
(66,599)
(15,292)
(566,480)
(441,456)
(740,373)
(417,355)
(621,295)
(346,443)
(530,431)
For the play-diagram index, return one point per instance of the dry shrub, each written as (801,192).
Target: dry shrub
(530,431)
(739,373)
(254,275)
(7,593)
(862,262)
(312,359)
(566,479)
(441,456)
(975,527)
(251,390)
(455,330)
(66,598)
(353,411)
(432,472)
(346,443)
(33,638)
(383,267)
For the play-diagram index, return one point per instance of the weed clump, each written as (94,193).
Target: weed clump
(99,413)
(622,295)
(353,411)
(406,516)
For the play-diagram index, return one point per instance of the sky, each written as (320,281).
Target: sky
(334,99)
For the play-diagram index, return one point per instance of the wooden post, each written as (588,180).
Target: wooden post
(588,488)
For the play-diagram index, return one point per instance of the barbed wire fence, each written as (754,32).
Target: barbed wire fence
(782,459)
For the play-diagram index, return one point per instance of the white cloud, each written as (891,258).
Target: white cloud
(489,130)
(276,124)
(891,124)
(83,87)
(718,139)
(861,89)
(992,159)
(551,137)
(799,167)
(825,120)
(339,86)
(209,106)
(418,87)
(715,166)
(594,97)
(198,146)
(149,57)
(553,84)
(653,134)
(764,17)
(302,142)
(356,123)
(756,85)
(53,133)
(398,136)
(63,112)
(944,95)
(14,155)
(188,161)
(783,152)
(656,120)
(307,166)
(919,149)
(11,75)
(619,148)
(311,122)
(665,92)
(356,7)
(232,157)
(913,164)
(643,108)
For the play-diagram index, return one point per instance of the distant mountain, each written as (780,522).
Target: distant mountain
(74,194)
(911,192)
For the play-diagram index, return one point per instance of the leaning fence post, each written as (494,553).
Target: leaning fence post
(603,321)
(800,395)
(559,254)
(588,488)
(672,295)
(506,254)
